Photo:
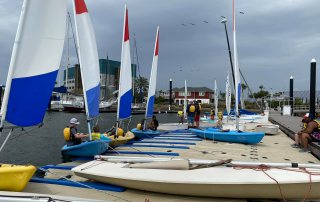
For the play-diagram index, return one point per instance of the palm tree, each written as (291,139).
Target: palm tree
(261,87)
(141,84)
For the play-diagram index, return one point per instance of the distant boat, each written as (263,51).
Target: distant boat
(32,73)
(90,71)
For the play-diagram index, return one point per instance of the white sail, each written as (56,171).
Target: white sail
(236,69)
(88,58)
(34,62)
(228,95)
(153,79)
(125,82)
(215,99)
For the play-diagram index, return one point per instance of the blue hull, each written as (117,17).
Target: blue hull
(231,136)
(140,134)
(86,149)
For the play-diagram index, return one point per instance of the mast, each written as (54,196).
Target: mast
(185,99)
(236,69)
(215,99)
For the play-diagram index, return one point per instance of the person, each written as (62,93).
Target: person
(297,143)
(71,134)
(212,113)
(310,133)
(191,114)
(197,114)
(153,125)
(180,116)
(97,135)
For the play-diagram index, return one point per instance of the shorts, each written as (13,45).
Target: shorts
(190,119)
(197,118)
(315,136)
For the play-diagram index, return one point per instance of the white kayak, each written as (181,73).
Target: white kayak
(219,181)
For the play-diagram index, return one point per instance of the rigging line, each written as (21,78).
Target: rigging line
(249,89)
(5,141)
(74,39)
(87,186)
(136,49)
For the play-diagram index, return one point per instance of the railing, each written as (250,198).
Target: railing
(304,107)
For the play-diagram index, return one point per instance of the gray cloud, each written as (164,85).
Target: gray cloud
(276,39)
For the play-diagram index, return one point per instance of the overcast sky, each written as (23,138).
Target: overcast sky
(276,39)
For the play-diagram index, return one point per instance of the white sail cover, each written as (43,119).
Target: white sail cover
(236,64)
(153,78)
(185,99)
(34,62)
(215,98)
(88,57)
(125,83)
(228,95)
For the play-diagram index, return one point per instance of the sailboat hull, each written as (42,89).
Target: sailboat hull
(86,149)
(220,181)
(140,134)
(15,177)
(230,136)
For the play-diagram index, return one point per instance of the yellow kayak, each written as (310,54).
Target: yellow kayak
(121,139)
(15,177)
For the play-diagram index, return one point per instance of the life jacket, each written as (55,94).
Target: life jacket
(199,106)
(192,108)
(139,126)
(67,134)
(95,136)
(211,113)
(180,113)
(318,122)
(220,115)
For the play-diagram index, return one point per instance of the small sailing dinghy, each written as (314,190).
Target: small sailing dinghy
(206,178)
(32,73)
(125,87)
(90,72)
(144,133)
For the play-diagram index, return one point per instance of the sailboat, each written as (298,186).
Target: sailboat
(90,72)
(32,73)
(234,135)
(125,86)
(178,126)
(151,95)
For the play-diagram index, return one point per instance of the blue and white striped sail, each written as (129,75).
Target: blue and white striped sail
(228,95)
(236,68)
(125,83)
(88,57)
(35,61)
(153,79)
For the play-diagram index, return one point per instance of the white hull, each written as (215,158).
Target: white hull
(173,126)
(270,129)
(217,181)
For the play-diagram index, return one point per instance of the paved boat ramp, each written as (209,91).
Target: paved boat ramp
(184,144)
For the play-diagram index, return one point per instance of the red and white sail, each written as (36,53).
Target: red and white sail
(125,83)
(153,78)
(88,57)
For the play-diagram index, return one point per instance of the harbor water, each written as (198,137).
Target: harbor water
(41,146)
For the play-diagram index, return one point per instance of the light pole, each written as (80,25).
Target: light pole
(224,21)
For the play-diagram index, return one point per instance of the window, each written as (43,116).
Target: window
(202,93)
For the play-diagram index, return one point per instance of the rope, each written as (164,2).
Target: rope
(87,186)
(264,168)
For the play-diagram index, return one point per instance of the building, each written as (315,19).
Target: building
(109,77)
(201,94)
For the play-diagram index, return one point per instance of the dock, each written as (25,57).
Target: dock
(273,148)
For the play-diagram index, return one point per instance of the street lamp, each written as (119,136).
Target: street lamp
(224,21)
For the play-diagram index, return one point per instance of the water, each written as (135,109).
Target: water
(41,146)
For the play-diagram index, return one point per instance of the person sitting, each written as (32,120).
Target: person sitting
(310,133)
(153,125)
(71,134)
(297,143)
(96,135)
